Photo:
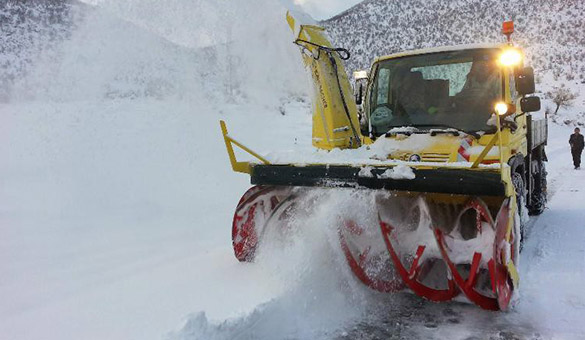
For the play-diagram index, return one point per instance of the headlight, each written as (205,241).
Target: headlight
(501,108)
(510,57)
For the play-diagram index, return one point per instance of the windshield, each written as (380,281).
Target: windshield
(448,89)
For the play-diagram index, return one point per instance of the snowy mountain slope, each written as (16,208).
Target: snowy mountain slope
(62,50)
(123,50)
(29,28)
(243,56)
(550,31)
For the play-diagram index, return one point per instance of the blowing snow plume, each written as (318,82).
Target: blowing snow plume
(100,91)
(300,247)
(204,50)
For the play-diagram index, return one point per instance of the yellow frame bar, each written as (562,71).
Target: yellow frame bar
(487,149)
(243,167)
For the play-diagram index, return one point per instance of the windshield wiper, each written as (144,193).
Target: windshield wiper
(403,130)
(441,128)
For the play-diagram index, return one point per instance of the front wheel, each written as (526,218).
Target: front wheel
(520,188)
(538,195)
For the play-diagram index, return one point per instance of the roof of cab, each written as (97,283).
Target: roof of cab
(441,49)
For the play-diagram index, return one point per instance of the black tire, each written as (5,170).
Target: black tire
(520,188)
(538,195)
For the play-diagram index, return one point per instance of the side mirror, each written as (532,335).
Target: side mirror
(530,104)
(525,81)
(359,94)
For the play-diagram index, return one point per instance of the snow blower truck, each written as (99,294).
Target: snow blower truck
(459,164)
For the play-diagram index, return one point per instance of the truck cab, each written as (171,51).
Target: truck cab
(458,96)
(455,88)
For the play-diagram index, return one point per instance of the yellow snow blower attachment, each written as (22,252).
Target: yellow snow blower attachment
(447,147)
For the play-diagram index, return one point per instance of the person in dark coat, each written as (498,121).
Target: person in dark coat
(577,144)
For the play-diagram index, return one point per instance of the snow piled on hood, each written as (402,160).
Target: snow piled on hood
(376,153)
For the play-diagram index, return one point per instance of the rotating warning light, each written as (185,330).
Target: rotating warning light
(508,27)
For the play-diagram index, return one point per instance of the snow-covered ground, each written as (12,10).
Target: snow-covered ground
(116,225)
(115,218)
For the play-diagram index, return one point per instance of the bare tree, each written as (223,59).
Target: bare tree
(562,96)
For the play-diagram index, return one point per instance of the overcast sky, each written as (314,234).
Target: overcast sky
(325,9)
(318,9)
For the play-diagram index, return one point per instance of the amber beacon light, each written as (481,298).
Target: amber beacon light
(508,29)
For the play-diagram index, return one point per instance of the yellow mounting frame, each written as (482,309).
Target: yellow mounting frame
(243,167)
(497,138)
(487,149)
(512,270)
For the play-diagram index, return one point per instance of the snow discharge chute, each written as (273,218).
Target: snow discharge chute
(450,172)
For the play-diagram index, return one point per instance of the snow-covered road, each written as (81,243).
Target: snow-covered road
(554,256)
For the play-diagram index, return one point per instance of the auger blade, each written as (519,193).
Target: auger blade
(408,233)
(369,262)
(470,250)
(507,248)
(256,207)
